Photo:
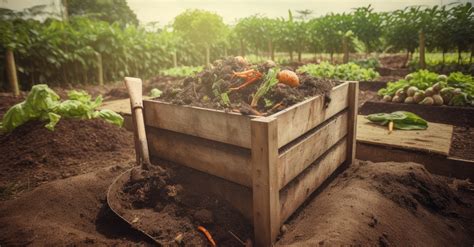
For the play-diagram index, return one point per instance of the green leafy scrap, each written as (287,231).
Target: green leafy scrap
(42,103)
(401,120)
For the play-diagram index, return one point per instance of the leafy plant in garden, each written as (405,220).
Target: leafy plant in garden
(349,71)
(429,88)
(182,71)
(42,103)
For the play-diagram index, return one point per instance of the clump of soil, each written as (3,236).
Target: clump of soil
(384,204)
(206,89)
(32,154)
(170,212)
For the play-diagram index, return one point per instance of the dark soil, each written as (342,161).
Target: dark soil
(175,211)
(462,143)
(32,154)
(205,88)
(384,204)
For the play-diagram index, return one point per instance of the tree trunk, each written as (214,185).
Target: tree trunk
(225,51)
(242,50)
(208,55)
(459,56)
(100,70)
(444,60)
(11,73)
(299,56)
(175,59)
(291,55)
(332,57)
(271,50)
(406,59)
(472,51)
(422,50)
(65,10)
(345,48)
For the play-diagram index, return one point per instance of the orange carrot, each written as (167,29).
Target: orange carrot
(289,78)
(208,235)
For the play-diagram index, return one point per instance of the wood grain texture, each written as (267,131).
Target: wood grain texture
(265,180)
(294,160)
(435,139)
(298,190)
(353,95)
(222,160)
(298,119)
(230,128)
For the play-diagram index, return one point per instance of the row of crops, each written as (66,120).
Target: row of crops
(68,52)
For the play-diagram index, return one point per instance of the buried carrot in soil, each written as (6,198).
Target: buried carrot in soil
(208,235)
(250,77)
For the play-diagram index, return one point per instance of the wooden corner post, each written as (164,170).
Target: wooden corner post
(266,201)
(353,95)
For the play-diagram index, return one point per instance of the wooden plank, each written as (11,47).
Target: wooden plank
(294,160)
(298,119)
(230,128)
(222,160)
(296,192)
(353,96)
(265,180)
(121,106)
(435,139)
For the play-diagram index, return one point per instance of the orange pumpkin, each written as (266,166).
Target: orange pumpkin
(289,78)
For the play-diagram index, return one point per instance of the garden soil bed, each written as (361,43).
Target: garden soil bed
(73,167)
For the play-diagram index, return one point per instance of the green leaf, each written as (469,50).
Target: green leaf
(401,120)
(155,93)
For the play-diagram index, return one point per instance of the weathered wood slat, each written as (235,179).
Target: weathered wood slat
(292,196)
(230,128)
(298,119)
(353,95)
(294,160)
(218,159)
(265,180)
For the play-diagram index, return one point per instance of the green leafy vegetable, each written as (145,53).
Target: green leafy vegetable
(42,103)
(269,81)
(349,71)
(155,93)
(401,120)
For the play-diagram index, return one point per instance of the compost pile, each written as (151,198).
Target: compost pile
(172,213)
(232,84)
(32,154)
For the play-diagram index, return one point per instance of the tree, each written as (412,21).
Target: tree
(107,10)
(202,27)
(367,26)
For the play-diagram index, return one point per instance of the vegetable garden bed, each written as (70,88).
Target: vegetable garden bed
(266,167)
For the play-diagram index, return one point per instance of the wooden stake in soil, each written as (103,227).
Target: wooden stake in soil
(266,201)
(11,73)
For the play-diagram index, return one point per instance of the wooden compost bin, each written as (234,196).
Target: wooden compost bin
(266,167)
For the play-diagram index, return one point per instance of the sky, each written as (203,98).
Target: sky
(163,11)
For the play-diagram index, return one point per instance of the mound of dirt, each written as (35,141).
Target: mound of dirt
(67,212)
(385,204)
(31,154)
